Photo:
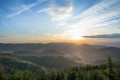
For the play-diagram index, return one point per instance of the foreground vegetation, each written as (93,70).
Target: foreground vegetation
(108,71)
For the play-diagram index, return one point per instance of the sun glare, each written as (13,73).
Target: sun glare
(76,36)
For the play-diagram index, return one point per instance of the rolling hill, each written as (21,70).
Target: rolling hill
(47,52)
(51,62)
(9,61)
(91,54)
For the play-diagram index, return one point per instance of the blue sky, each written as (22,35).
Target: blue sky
(57,20)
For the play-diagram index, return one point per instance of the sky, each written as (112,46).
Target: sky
(77,21)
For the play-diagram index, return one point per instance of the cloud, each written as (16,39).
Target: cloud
(101,14)
(62,24)
(25,8)
(98,8)
(104,14)
(103,17)
(115,35)
(58,12)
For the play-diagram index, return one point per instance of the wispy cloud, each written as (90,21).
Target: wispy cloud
(115,35)
(58,12)
(98,8)
(104,14)
(25,8)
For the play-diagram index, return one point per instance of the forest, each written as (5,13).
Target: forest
(59,61)
(107,71)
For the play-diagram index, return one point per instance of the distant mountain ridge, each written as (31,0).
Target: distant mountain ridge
(40,46)
(87,53)
(47,52)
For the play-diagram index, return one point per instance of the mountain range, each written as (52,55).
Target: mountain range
(60,55)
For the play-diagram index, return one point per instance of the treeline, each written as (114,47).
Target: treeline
(108,71)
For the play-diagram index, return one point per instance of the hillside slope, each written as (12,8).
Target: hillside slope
(9,61)
(51,62)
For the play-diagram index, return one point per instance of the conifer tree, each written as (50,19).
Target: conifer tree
(110,72)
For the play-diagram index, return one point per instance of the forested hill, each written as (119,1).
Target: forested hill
(108,71)
(9,62)
(51,62)
(34,63)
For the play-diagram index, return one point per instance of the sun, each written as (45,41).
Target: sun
(73,35)
(76,37)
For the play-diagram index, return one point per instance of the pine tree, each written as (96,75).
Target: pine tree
(110,72)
